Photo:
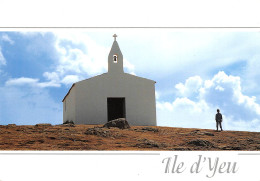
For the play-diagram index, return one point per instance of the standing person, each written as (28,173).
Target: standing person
(218,119)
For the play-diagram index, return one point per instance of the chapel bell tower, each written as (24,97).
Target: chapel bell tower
(115,58)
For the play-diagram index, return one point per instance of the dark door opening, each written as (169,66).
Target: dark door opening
(115,108)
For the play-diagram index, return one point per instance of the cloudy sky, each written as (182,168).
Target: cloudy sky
(196,70)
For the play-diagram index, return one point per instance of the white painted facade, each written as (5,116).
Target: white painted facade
(87,100)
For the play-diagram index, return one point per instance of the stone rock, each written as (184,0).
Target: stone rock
(194,132)
(145,129)
(145,143)
(43,125)
(98,131)
(11,125)
(232,148)
(69,124)
(199,142)
(119,123)
(198,132)
(150,129)
(207,133)
(30,142)
(41,141)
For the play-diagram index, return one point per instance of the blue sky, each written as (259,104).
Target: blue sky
(197,71)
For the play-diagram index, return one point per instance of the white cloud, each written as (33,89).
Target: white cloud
(32,33)
(188,53)
(70,79)
(222,91)
(81,56)
(21,81)
(227,90)
(48,84)
(30,82)
(251,125)
(252,74)
(187,104)
(183,112)
(2,58)
(219,88)
(157,95)
(191,86)
(51,76)
(130,68)
(6,38)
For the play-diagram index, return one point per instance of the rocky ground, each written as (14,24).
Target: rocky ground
(94,137)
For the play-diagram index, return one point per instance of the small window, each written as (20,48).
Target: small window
(115,58)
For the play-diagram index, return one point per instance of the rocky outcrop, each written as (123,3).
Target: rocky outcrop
(119,123)
(43,125)
(199,142)
(98,132)
(69,124)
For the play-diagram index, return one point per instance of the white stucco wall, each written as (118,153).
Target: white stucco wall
(69,105)
(91,98)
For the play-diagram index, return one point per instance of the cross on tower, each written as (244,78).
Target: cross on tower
(114,37)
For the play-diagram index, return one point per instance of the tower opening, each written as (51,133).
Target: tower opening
(115,58)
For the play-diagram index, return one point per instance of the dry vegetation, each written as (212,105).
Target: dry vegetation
(93,137)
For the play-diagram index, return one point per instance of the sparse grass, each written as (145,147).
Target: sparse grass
(87,137)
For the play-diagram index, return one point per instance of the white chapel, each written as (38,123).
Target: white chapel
(111,95)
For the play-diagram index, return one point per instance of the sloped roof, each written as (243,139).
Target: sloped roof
(68,92)
(140,77)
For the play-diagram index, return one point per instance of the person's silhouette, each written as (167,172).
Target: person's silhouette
(218,119)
